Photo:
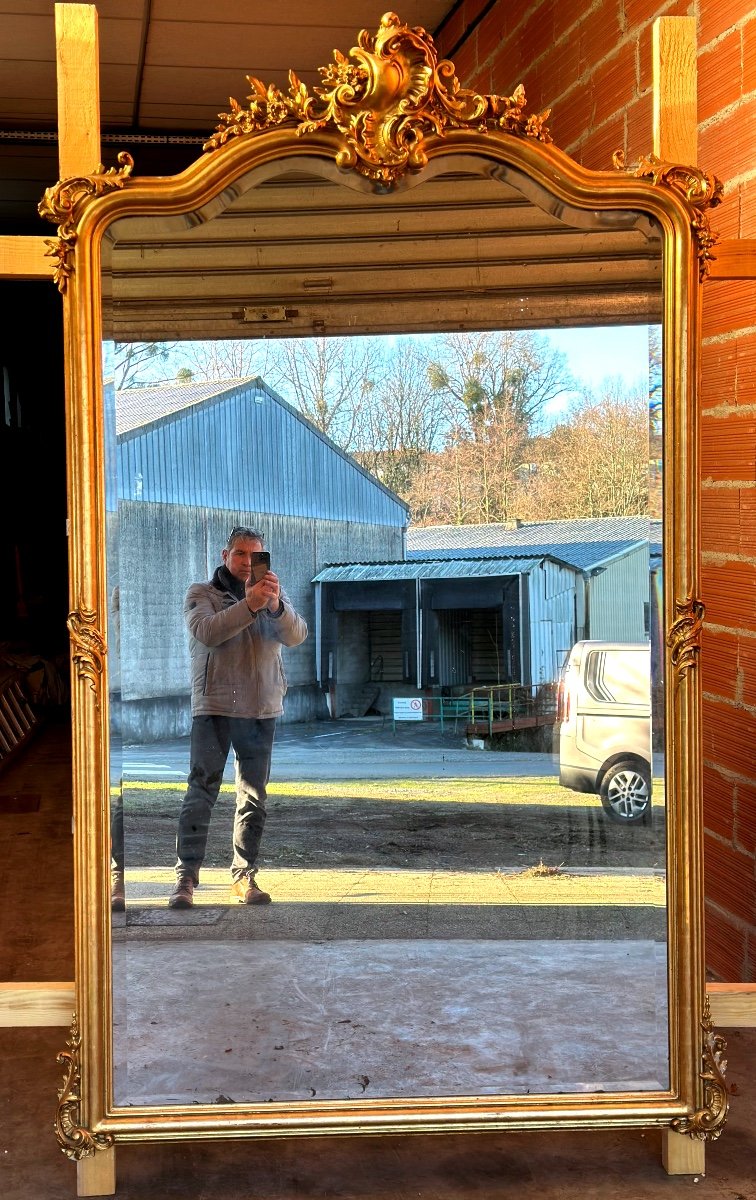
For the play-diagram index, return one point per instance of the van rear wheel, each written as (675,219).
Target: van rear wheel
(626,793)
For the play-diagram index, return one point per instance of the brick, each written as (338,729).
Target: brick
(748,34)
(639,117)
(747,670)
(745,377)
(718,803)
(729,879)
(491,34)
(535,36)
(729,593)
(569,18)
(745,817)
(720,520)
(719,365)
(465,61)
(642,12)
(719,16)
(725,218)
(614,84)
(747,227)
(729,737)
(726,946)
(747,522)
(571,118)
(720,76)
(728,305)
(719,664)
(725,146)
(600,31)
(451,32)
(597,149)
(554,74)
(728,447)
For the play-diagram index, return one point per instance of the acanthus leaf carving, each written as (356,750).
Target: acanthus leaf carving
(87,646)
(684,637)
(61,204)
(708,1122)
(75,1141)
(700,189)
(385,101)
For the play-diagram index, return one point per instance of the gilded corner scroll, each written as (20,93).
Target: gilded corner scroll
(385,100)
(684,637)
(700,190)
(87,647)
(708,1122)
(61,204)
(75,1141)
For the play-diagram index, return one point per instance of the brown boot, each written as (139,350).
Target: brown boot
(245,890)
(182,895)
(117,892)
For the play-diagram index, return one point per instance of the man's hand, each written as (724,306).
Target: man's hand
(265,594)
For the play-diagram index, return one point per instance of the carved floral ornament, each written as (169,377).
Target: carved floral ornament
(385,100)
(75,1141)
(87,647)
(708,1122)
(684,637)
(699,189)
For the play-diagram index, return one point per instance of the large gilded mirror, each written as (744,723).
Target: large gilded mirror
(404,830)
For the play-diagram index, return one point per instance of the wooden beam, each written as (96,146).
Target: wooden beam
(735,258)
(24,258)
(675,83)
(77,53)
(39,1004)
(733,1005)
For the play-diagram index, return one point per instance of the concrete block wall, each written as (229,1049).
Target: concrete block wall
(592,65)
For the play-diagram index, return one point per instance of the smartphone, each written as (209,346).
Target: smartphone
(259,566)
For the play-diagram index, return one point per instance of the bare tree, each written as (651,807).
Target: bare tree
(401,419)
(485,375)
(329,380)
(140,364)
(226,358)
(595,464)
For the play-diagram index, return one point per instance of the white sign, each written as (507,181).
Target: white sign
(407,709)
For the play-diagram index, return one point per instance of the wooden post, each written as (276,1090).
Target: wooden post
(39,1004)
(96,1175)
(675,132)
(77,53)
(682,1155)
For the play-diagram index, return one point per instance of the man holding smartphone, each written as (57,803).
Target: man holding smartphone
(237,623)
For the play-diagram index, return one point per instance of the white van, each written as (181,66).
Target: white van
(604,714)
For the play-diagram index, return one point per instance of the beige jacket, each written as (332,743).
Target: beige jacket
(236,654)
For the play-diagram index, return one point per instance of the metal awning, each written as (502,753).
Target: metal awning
(462,568)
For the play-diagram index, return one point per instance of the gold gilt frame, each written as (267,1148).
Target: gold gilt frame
(384,111)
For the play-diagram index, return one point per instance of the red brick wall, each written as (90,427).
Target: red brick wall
(591,63)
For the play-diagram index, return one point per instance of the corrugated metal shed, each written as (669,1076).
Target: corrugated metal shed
(583,543)
(448,569)
(241,447)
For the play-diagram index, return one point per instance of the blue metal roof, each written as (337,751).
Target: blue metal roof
(581,543)
(462,568)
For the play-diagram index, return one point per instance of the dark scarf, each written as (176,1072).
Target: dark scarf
(224,581)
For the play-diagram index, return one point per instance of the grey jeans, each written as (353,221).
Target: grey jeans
(212,738)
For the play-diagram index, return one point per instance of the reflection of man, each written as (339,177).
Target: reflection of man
(237,628)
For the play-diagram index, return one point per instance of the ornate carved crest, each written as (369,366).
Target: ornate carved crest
(87,646)
(684,638)
(61,202)
(385,100)
(699,189)
(74,1141)
(710,1120)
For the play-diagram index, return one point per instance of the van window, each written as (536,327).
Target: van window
(617,676)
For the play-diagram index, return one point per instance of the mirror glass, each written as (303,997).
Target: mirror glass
(441,408)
